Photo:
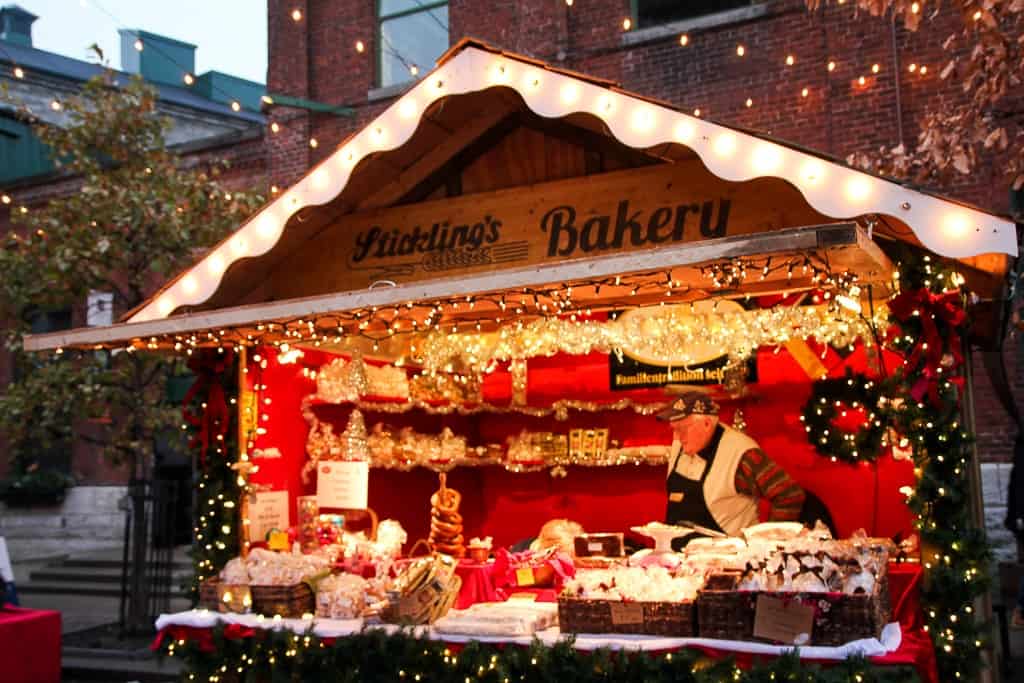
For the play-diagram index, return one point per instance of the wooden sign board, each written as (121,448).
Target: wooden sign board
(609,213)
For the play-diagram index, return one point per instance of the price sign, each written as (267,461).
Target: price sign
(267,510)
(342,484)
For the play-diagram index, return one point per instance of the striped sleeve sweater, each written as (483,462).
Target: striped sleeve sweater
(758,476)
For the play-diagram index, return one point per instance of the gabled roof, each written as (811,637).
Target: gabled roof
(42,61)
(829,186)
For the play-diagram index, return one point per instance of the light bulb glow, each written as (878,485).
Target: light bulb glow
(684,131)
(956,225)
(643,119)
(19,72)
(725,145)
(360,46)
(500,73)
(805,92)
(790,60)
(266,227)
(684,40)
(138,44)
(857,188)
(238,245)
(812,172)
(604,105)
(407,108)
(627,24)
(766,158)
(831,66)
(166,305)
(570,93)
(189,284)
(189,79)
(296,14)
(215,265)
(320,178)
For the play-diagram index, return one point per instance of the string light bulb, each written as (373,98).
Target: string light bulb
(831,66)
(19,72)
(275,127)
(313,143)
(189,78)
(235,106)
(296,14)
(749,103)
(862,81)
(55,105)
(912,67)
(138,44)
(684,40)
(696,112)
(790,60)
(360,46)
(923,70)
(915,7)
(627,24)
(414,70)
(805,92)
(875,68)
(740,50)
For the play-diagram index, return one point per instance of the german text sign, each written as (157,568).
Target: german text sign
(342,484)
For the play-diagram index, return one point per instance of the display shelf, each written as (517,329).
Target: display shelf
(558,409)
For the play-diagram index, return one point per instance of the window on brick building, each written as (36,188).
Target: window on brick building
(654,12)
(413,34)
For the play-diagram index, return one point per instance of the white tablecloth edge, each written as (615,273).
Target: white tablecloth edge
(891,638)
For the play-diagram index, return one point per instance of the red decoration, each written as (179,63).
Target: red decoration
(931,309)
(213,417)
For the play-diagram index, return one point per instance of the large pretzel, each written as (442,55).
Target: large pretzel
(446,522)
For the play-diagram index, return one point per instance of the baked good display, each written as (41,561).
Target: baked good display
(446,522)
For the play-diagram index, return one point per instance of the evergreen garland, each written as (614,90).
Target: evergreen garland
(831,396)
(955,551)
(217,493)
(374,655)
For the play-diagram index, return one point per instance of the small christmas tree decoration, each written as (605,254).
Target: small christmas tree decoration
(354,442)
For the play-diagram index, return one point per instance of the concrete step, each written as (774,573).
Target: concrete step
(94,563)
(83,665)
(89,575)
(80,588)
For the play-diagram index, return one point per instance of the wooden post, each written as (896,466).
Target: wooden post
(242,467)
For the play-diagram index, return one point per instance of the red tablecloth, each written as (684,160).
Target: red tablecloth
(29,645)
(478,586)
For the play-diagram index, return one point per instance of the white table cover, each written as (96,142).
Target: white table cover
(890,640)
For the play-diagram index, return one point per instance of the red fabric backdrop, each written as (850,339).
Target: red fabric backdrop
(512,506)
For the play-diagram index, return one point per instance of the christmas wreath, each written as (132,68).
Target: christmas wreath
(843,418)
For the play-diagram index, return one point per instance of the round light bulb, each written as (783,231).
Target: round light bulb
(740,50)
(790,60)
(766,158)
(407,108)
(189,284)
(725,145)
(570,93)
(805,92)
(857,188)
(138,44)
(360,46)
(684,131)
(296,14)
(19,72)
(956,225)
(684,40)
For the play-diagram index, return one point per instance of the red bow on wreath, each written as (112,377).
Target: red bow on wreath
(213,420)
(932,309)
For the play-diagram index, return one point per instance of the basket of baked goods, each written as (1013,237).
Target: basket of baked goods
(276,583)
(423,591)
(647,600)
(801,590)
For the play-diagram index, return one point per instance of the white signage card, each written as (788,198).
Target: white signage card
(5,563)
(267,510)
(342,484)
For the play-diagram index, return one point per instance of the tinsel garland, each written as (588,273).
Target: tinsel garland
(217,493)
(956,553)
(377,656)
(829,399)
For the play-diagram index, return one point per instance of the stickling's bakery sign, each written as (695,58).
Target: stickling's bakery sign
(569,232)
(550,222)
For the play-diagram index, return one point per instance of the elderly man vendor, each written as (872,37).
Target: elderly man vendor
(717,474)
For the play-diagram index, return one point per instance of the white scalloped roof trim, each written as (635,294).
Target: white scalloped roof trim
(832,189)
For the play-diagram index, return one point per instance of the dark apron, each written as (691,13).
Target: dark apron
(691,507)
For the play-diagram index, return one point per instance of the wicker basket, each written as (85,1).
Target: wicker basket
(425,590)
(726,613)
(288,601)
(578,615)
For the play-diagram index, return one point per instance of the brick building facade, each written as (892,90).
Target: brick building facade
(827,108)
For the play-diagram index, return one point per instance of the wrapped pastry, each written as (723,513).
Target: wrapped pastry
(341,596)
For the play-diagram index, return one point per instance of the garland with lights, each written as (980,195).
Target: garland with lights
(211,419)
(928,321)
(832,399)
(234,653)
